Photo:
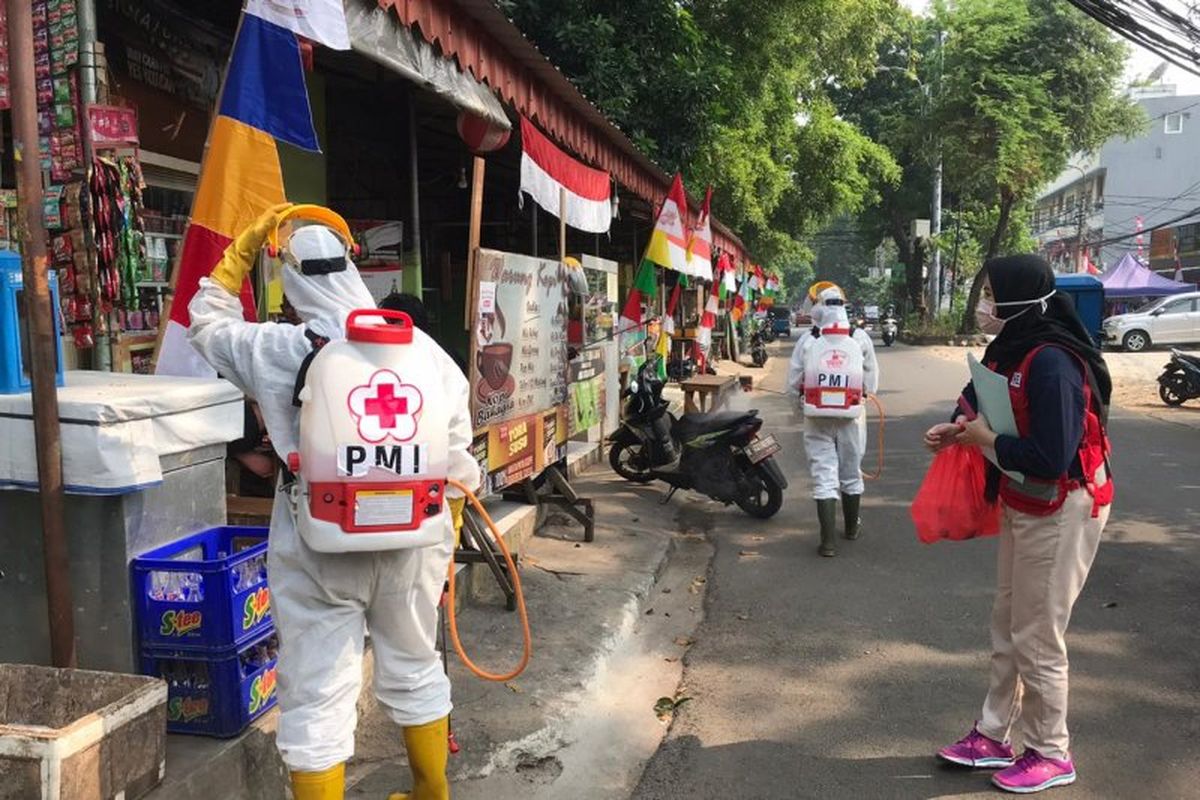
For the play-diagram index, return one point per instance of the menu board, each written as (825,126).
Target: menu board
(518,369)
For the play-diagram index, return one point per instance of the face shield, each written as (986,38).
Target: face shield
(321,281)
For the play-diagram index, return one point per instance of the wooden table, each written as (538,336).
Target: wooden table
(703,393)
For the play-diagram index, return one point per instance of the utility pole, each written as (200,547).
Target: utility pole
(935,214)
(43,351)
(1080,263)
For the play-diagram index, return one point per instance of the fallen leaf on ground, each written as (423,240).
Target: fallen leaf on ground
(743,617)
(747,553)
(684,641)
(514,688)
(1111,604)
(671,659)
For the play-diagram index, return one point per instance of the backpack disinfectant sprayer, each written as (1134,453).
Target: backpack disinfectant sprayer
(372,469)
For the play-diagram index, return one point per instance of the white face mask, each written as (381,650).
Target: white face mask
(989,323)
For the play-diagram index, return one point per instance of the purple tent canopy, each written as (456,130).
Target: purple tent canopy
(1131,278)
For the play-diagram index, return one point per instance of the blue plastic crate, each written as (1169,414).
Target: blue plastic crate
(216,694)
(206,592)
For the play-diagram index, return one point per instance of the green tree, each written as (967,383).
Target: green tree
(1025,84)
(1014,89)
(733,93)
(893,108)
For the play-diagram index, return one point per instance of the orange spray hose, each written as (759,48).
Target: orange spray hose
(879,450)
(451,614)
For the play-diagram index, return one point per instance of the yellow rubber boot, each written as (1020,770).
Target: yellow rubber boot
(328,784)
(428,751)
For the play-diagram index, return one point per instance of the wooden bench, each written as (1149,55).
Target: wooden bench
(705,393)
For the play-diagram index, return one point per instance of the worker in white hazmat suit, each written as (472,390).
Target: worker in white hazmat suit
(832,369)
(324,603)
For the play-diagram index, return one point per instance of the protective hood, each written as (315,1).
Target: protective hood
(323,301)
(825,315)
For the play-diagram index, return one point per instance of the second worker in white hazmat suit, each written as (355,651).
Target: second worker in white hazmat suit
(832,369)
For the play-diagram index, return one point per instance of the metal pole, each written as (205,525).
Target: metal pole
(935,222)
(954,258)
(935,229)
(1079,263)
(89,65)
(415,189)
(40,316)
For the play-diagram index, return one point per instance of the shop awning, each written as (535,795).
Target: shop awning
(381,37)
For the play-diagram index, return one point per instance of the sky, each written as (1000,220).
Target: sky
(1141,62)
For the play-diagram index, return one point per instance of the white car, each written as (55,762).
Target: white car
(1169,320)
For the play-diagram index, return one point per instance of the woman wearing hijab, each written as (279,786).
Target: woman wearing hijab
(1052,520)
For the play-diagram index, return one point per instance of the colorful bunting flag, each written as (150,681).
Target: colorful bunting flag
(668,245)
(643,291)
(700,243)
(264,100)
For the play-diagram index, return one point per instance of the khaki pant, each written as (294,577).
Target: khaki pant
(1043,564)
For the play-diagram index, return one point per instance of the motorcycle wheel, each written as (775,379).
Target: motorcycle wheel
(765,498)
(625,458)
(759,358)
(1173,392)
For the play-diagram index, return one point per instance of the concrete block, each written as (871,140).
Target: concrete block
(79,735)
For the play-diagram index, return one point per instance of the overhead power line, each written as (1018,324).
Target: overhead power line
(1165,31)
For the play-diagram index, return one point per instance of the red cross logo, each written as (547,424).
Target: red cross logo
(385,407)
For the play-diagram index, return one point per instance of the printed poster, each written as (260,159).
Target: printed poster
(518,369)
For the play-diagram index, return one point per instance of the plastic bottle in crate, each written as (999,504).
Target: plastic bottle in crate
(216,694)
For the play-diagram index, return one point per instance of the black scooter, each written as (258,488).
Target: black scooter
(719,455)
(758,348)
(1180,379)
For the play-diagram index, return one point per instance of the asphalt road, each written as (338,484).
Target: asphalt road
(838,678)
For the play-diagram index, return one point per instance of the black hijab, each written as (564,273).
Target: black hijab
(1029,277)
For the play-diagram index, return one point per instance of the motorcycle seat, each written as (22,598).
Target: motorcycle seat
(1190,359)
(689,426)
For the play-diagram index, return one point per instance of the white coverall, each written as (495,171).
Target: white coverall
(835,445)
(323,603)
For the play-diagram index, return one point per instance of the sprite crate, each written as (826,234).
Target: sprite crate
(217,693)
(207,591)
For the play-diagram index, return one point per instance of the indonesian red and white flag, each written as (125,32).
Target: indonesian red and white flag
(708,320)
(546,171)
(700,243)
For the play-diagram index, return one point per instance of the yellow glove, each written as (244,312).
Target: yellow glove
(238,260)
(457,506)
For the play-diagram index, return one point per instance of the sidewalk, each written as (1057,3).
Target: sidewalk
(608,619)
(1135,382)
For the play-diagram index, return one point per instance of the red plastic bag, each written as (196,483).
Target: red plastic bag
(950,503)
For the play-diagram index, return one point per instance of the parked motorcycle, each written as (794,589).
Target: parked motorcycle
(720,455)
(758,349)
(889,329)
(1180,379)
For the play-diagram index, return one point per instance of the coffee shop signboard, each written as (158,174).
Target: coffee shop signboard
(518,366)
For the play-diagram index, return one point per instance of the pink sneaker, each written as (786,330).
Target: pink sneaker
(979,751)
(1034,772)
